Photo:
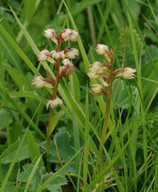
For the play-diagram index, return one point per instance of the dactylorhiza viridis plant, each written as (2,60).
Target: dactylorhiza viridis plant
(62,60)
(105,74)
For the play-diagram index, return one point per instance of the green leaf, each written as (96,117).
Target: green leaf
(80,6)
(134,7)
(10,187)
(64,148)
(3,118)
(25,174)
(123,95)
(8,155)
(46,183)
(29,8)
(8,51)
(16,154)
(20,79)
(33,149)
(56,184)
(33,171)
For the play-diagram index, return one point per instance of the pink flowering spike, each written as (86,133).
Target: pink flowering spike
(43,55)
(54,103)
(38,82)
(71,53)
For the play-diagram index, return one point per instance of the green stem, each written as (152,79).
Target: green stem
(106,119)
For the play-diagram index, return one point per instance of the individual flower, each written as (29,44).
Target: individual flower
(71,53)
(104,50)
(68,68)
(38,82)
(127,73)
(73,35)
(51,34)
(69,34)
(97,89)
(54,103)
(67,62)
(43,55)
(66,34)
(57,54)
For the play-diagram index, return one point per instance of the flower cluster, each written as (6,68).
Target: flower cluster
(55,57)
(104,71)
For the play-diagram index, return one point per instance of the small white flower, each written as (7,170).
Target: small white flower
(54,103)
(62,54)
(43,55)
(69,34)
(71,53)
(102,49)
(57,54)
(66,34)
(51,34)
(38,82)
(67,62)
(127,73)
(73,35)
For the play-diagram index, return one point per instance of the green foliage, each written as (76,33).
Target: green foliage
(75,129)
(39,178)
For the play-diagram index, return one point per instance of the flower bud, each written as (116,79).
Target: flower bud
(43,55)
(54,103)
(38,82)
